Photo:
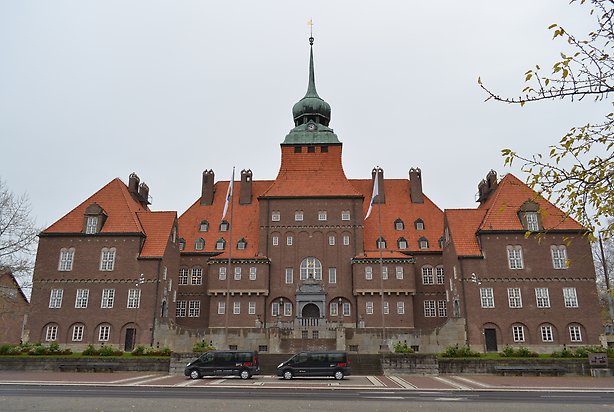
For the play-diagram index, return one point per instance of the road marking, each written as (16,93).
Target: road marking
(375,381)
(451,383)
(134,378)
(401,382)
(384,397)
(145,381)
(217,382)
(189,382)
(472,382)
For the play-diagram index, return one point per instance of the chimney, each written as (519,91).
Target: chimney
(487,186)
(491,180)
(245,191)
(415,185)
(207,189)
(144,194)
(381,197)
(133,183)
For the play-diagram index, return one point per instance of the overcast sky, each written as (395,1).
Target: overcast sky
(93,90)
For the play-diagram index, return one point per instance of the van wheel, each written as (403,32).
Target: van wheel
(245,374)
(288,374)
(338,375)
(194,374)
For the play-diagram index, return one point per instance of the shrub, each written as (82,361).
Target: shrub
(402,348)
(459,352)
(102,351)
(521,352)
(139,350)
(150,351)
(89,351)
(582,352)
(202,346)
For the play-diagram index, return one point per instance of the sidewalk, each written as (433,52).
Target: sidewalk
(396,382)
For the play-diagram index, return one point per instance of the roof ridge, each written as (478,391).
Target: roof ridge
(128,199)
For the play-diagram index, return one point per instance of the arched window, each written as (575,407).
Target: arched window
(399,225)
(199,244)
(402,243)
(204,226)
(311,268)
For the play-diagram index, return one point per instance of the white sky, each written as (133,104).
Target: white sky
(93,90)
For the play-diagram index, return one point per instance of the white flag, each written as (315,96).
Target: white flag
(375,192)
(229,193)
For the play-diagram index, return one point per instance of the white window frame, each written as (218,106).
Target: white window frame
(369,308)
(575,333)
(400,308)
(386,308)
(51,333)
(91,225)
(221,273)
(107,259)
(322,215)
(542,298)
(430,310)
(251,308)
(289,240)
(108,298)
(236,308)
(514,298)
(237,273)
(77,332)
(331,240)
(298,216)
(311,265)
(346,309)
(221,308)
(55,298)
(82,298)
(399,272)
(332,275)
(104,333)
(275,240)
(518,333)
(559,256)
(487,298)
(385,272)
(275,309)
(66,259)
(423,244)
(346,240)
(427,275)
(440,277)
(253,272)
(199,244)
(220,244)
(183,276)
(546,333)
(287,308)
(333,309)
(196,276)
(368,273)
(194,309)
(134,298)
(514,257)
(532,221)
(181,308)
(403,244)
(289,276)
(275,216)
(570,297)
(345,215)
(442,308)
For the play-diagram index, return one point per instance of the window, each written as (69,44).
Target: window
(104,332)
(289,240)
(368,273)
(386,308)
(204,226)
(518,333)
(332,275)
(222,273)
(236,308)
(427,275)
(298,215)
(134,298)
(346,309)
(197,276)
(570,297)
(384,272)
(487,298)
(400,308)
(399,225)
(532,221)
(52,333)
(224,226)
(107,259)
(237,273)
(514,298)
(66,259)
(423,243)
(77,333)
(334,309)
(514,257)
(345,215)
(546,332)
(399,272)
(253,271)
(181,308)
(275,309)
(82,298)
(381,243)
(241,244)
(559,256)
(346,240)
(251,308)
(108,296)
(55,298)
(402,243)
(287,309)
(194,310)
(575,334)
(442,308)
(439,275)
(275,216)
(91,225)
(183,276)
(429,309)
(331,240)
(419,224)
(542,297)
(369,308)
(199,244)
(220,244)
(221,308)
(322,215)
(289,275)
(311,268)
(181,244)
(275,240)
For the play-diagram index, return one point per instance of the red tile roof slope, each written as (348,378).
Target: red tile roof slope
(245,221)
(504,203)
(463,225)
(311,175)
(117,203)
(398,205)
(158,228)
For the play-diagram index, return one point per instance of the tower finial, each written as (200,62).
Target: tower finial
(310,24)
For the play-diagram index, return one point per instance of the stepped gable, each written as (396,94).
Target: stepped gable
(399,206)
(158,229)
(245,221)
(503,206)
(118,205)
(463,226)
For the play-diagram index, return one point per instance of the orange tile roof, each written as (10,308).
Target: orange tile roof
(158,228)
(118,205)
(463,226)
(386,254)
(398,205)
(311,175)
(503,206)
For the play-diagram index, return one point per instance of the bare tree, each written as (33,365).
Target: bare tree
(577,173)
(603,256)
(18,234)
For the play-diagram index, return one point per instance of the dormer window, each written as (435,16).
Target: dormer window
(181,244)
(402,243)
(423,243)
(532,221)
(94,219)
(381,243)
(529,216)
(204,226)
(199,244)
(91,225)
(419,224)
(399,225)
(220,244)
(241,244)
(224,226)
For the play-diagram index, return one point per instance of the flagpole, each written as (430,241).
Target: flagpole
(381,264)
(228,273)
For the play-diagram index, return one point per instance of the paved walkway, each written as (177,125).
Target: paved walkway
(395,382)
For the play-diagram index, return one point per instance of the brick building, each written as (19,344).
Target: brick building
(14,307)
(295,262)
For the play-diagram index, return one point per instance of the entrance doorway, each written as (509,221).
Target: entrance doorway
(311,311)
(130,338)
(490,337)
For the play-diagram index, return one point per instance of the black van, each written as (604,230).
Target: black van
(224,363)
(336,364)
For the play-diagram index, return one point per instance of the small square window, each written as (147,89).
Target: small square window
(276,216)
(345,215)
(298,216)
(322,215)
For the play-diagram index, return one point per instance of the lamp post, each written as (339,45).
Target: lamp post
(279,312)
(139,282)
(339,312)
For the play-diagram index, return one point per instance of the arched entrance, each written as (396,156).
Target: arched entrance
(310,310)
